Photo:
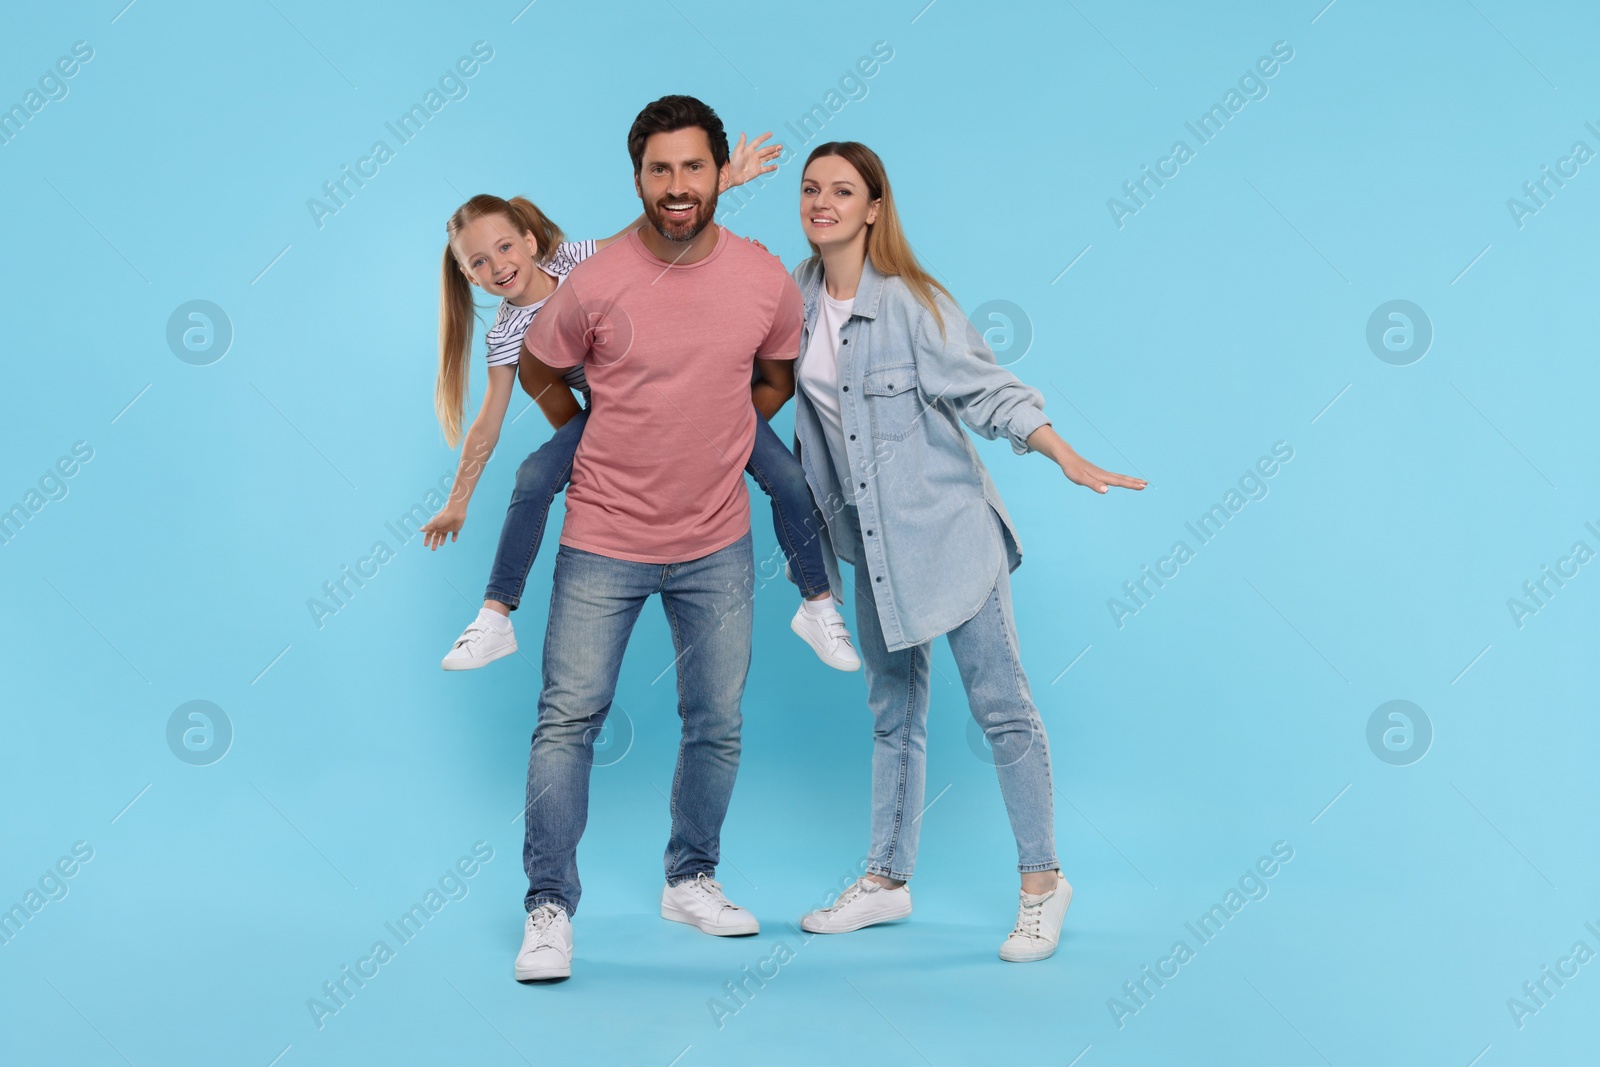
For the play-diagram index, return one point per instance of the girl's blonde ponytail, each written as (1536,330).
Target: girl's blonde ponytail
(456,312)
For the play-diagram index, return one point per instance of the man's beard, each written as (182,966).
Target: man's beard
(681,232)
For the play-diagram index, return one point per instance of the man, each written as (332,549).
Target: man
(669,324)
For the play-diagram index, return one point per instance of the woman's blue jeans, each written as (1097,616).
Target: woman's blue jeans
(547,471)
(986,652)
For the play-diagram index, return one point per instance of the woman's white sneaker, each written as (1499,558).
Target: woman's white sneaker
(481,643)
(1038,928)
(700,903)
(827,634)
(546,945)
(863,904)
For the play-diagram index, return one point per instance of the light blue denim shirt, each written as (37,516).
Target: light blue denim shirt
(927,506)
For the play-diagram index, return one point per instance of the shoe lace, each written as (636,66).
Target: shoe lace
(710,890)
(541,922)
(1029,917)
(858,889)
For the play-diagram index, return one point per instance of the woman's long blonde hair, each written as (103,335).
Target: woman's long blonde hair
(887,246)
(456,307)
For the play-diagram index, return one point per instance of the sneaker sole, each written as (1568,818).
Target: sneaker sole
(677,916)
(807,926)
(820,654)
(474,664)
(540,974)
(1028,959)
(1035,957)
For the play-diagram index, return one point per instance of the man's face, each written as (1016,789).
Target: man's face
(677,181)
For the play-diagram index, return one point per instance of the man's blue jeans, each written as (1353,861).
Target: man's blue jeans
(594,603)
(548,469)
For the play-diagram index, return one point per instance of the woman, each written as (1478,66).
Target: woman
(888,366)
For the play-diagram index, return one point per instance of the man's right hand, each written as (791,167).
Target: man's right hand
(448,521)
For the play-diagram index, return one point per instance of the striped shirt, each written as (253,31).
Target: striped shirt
(511,322)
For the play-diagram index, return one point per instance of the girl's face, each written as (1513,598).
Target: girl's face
(835,208)
(496,257)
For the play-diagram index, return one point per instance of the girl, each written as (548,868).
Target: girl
(889,370)
(512,250)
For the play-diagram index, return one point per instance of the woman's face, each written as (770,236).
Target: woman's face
(835,208)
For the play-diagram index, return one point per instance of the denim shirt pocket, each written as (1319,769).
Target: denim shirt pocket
(894,401)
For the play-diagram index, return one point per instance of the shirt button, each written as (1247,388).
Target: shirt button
(847,388)
(879,578)
(863,485)
(852,437)
(845,341)
(869,533)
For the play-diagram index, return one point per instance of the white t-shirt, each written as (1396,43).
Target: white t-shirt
(819,376)
(504,340)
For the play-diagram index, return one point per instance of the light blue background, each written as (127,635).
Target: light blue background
(1228,314)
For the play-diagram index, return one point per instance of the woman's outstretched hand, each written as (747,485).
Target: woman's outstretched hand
(749,161)
(1075,467)
(1087,474)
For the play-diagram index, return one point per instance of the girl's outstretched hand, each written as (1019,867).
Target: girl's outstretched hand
(749,161)
(448,521)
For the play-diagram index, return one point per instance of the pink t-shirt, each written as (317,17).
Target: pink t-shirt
(669,351)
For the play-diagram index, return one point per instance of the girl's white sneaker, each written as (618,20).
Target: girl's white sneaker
(865,903)
(827,635)
(1038,928)
(480,644)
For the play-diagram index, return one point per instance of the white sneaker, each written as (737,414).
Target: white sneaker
(546,945)
(828,637)
(479,645)
(700,903)
(1038,924)
(863,904)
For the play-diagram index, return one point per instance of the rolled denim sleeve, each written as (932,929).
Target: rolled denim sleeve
(960,369)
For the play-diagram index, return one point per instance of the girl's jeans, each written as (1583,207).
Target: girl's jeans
(546,472)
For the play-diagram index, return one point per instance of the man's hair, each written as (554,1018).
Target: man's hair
(672,113)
